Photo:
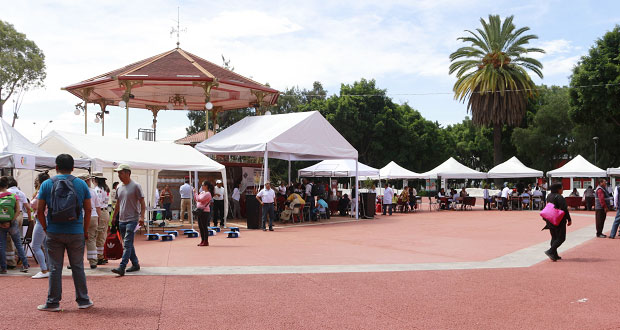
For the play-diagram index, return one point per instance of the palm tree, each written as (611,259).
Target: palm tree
(491,74)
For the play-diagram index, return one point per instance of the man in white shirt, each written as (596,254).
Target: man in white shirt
(218,203)
(186,200)
(614,227)
(282,189)
(95,202)
(505,193)
(388,195)
(267,197)
(486,197)
(236,196)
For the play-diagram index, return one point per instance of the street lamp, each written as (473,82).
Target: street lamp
(595,139)
(44,127)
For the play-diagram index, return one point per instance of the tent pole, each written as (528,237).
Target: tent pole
(196,185)
(191,214)
(357,192)
(148,214)
(266,167)
(289,170)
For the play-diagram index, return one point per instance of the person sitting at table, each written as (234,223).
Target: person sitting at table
(441,194)
(525,199)
(514,199)
(537,198)
(412,198)
(574,193)
(453,198)
(462,196)
(321,209)
(343,205)
(589,197)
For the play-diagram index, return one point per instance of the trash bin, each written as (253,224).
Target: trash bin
(252,212)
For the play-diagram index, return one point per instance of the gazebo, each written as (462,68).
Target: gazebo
(173,80)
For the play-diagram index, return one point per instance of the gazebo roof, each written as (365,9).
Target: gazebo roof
(175,72)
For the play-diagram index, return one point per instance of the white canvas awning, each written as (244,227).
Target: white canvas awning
(292,136)
(452,169)
(513,168)
(146,158)
(613,171)
(395,171)
(15,150)
(578,167)
(337,168)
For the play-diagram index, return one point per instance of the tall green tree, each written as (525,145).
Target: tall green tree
(595,100)
(492,76)
(549,134)
(22,63)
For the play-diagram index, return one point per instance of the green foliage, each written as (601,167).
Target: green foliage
(492,76)
(548,135)
(22,63)
(595,100)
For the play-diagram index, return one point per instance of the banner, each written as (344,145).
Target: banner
(24,161)
(251,177)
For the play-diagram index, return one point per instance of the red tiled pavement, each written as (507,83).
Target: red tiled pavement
(544,296)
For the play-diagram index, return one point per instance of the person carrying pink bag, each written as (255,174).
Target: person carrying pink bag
(558,233)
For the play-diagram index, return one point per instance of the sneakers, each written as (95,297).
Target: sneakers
(24,269)
(133,268)
(120,271)
(46,308)
(3,271)
(89,304)
(41,275)
(93,266)
(102,261)
(551,255)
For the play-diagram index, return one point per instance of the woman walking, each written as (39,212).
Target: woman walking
(38,234)
(202,204)
(558,233)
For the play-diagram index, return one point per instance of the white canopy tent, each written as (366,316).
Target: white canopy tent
(395,171)
(146,158)
(613,171)
(452,169)
(513,168)
(291,136)
(578,167)
(338,168)
(16,151)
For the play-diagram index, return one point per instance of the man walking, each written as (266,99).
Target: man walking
(25,210)
(388,196)
(601,206)
(267,197)
(236,196)
(186,200)
(505,193)
(67,200)
(130,210)
(218,203)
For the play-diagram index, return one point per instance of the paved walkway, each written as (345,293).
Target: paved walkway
(488,274)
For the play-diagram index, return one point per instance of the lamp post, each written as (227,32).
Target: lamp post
(44,127)
(595,139)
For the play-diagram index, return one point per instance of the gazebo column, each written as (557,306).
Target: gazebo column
(128,85)
(206,87)
(260,95)
(85,93)
(154,109)
(102,104)
(215,112)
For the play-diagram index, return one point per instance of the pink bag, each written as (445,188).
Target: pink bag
(552,214)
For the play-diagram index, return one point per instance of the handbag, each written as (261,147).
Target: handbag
(113,248)
(551,214)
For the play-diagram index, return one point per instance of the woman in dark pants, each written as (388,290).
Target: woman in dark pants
(203,208)
(558,233)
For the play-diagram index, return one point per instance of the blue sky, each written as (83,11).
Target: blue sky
(404,45)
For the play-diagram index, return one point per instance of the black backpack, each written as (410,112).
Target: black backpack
(64,206)
(315,189)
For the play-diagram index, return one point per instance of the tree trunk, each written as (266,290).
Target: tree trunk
(497,149)
(1,106)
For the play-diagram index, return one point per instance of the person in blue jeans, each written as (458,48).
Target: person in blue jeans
(266,197)
(130,209)
(39,237)
(10,226)
(66,230)
(614,227)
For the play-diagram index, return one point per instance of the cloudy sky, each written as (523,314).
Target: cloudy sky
(404,45)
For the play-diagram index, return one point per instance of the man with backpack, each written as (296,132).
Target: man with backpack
(67,200)
(130,209)
(9,215)
(25,210)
